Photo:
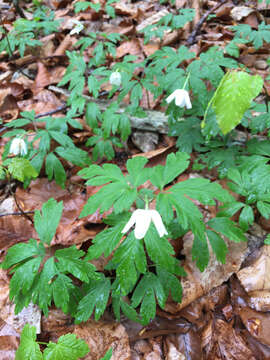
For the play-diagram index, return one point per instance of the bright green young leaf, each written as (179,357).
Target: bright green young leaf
(47,222)
(28,348)
(233,98)
(67,347)
(21,169)
(75,155)
(97,295)
(137,173)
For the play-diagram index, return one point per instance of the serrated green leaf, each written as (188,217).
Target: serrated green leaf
(24,276)
(92,114)
(69,261)
(67,347)
(28,348)
(21,252)
(164,207)
(227,228)
(147,291)
(175,165)
(200,251)
(61,288)
(233,98)
(264,209)
(75,155)
(54,168)
(97,295)
(137,173)
(170,283)
(21,169)
(218,245)
(106,241)
(42,290)
(159,250)
(47,222)
(246,217)
(130,259)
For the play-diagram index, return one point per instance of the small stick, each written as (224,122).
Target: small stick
(16,213)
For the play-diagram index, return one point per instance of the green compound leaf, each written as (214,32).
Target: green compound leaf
(21,169)
(233,98)
(47,222)
(67,347)
(97,295)
(28,348)
(147,291)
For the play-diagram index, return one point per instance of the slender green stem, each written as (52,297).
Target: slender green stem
(186,81)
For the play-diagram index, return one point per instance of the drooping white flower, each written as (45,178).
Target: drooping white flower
(115,78)
(142,220)
(77,28)
(181,98)
(18,147)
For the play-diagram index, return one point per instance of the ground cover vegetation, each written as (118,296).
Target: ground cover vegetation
(215,112)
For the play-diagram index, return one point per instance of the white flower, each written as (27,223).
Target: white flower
(18,147)
(142,219)
(115,78)
(77,28)
(181,98)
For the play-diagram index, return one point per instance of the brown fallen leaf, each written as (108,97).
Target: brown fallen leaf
(101,336)
(197,283)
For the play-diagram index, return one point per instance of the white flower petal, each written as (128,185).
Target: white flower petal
(18,147)
(181,98)
(170,98)
(115,78)
(187,101)
(157,220)
(130,223)
(143,220)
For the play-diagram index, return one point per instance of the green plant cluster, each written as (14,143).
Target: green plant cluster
(143,272)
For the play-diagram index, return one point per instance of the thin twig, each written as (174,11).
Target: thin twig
(17,213)
(192,37)
(21,210)
(48,113)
